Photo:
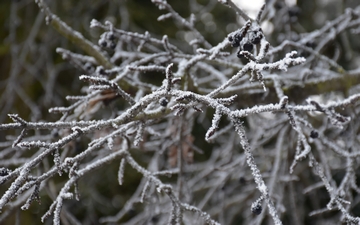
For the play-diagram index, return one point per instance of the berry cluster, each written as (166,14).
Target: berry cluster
(108,40)
(245,39)
(314,134)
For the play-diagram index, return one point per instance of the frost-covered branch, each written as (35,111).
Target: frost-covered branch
(201,123)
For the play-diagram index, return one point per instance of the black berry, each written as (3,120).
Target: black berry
(55,134)
(278,5)
(248,47)
(111,36)
(235,44)
(310,44)
(155,219)
(4,172)
(164,102)
(314,134)
(256,209)
(294,11)
(235,40)
(103,43)
(242,180)
(256,40)
(101,71)
(112,45)
(88,66)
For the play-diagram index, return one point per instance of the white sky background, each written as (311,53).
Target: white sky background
(252,7)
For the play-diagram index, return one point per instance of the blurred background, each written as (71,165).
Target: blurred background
(34,78)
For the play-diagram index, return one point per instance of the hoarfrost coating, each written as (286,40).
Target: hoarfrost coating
(183,125)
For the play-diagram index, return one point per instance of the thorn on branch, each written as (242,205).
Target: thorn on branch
(139,134)
(16,118)
(165,41)
(77,129)
(76,191)
(110,142)
(335,118)
(169,77)
(19,138)
(197,109)
(164,17)
(214,125)
(186,97)
(227,101)
(258,17)
(121,171)
(161,4)
(264,49)
(283,102)
(145,190)
(33,196)
(144,41)
(73,170)
(57,161)
(180,108)
(49,212)
(176,80)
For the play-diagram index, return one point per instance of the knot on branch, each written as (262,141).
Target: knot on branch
(283,102)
